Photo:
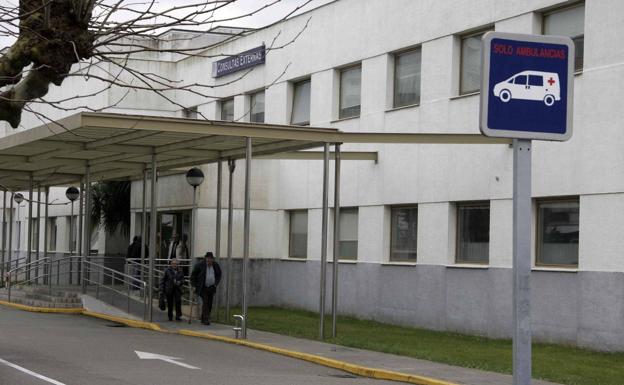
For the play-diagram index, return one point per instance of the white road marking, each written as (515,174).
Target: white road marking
(171,360)
(30,372)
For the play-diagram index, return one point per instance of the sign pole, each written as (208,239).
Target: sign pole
(522,261)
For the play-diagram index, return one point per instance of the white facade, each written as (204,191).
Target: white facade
(580,303)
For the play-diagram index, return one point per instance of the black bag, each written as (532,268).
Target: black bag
(161,302)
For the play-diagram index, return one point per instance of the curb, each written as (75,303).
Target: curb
(61,310)
(363,371)
(380,374)
(82,311)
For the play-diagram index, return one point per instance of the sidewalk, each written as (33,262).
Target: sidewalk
(366,358)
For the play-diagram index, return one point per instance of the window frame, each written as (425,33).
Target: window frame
(566,7)
(221,104)
(458,206)
(290,224)
(395,55)
(462,37)
(190,112)
(251,104)
(342,70)
(295,84)
(538,235)
(340,233)
(392,230)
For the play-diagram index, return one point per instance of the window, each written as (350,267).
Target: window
(301,104)
(35,233)
(298,242)
(53,230)
(470,73)
(350,90)
(404,233)
(256,110)
(535,80)
(568,22)
(558,232)
(227,110)
(407,78)
(72,232)
(473,233)
(348,233)
(190,113)
(521,79)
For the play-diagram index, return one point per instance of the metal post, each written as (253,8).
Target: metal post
(153,215)
(324,241)
(38,227)
(80,227)
(86,249)
(45,235)
(218,226)
(71,243)
(30,228)
(143,226)
(522,261)
(248,154)
(193,222)
(228,267)
(3,235)
(11,231)
(336,238)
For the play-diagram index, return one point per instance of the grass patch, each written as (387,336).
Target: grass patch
(557,363)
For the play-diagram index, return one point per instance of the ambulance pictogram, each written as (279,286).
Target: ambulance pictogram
(530,85)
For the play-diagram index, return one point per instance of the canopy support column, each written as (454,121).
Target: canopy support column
(30,227)
(38,228)
(3,235)
(153,214)
(143,226)
(248,154)
(228,267)
(80,228)
(87,229)
(336,238)
(48,268)
(324,241)
(218,225)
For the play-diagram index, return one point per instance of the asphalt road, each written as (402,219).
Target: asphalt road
(77,350)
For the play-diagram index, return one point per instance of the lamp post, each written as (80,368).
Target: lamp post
(72,193)
(18,198)
(194,177)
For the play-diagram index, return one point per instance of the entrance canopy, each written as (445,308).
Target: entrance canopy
(117,146)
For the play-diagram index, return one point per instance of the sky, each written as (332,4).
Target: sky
(239,7)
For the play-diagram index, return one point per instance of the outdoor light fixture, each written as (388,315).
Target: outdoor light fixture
(72,193)
(194,177)
(19,198)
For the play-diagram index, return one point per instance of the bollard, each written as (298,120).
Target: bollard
(239,324)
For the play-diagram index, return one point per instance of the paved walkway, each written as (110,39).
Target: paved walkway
(367,358)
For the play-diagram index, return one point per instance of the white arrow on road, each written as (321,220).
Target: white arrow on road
(171,360)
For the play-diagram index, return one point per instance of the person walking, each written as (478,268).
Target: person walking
(171,287)
(173,246)
(182,253)
(133,258)
(205,278)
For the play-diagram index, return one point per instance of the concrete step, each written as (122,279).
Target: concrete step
(40,300)
(56,292)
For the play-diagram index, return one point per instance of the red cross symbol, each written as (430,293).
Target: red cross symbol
(551,81)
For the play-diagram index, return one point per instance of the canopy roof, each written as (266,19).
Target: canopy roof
(117,146)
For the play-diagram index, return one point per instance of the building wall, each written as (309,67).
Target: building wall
(580,305)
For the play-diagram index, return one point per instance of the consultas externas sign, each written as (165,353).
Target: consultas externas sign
(239,62)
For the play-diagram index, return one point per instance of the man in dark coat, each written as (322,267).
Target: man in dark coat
(134,254)
(205,278)
(171,287)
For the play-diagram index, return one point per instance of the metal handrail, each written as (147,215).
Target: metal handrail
(158,273)
(102,272)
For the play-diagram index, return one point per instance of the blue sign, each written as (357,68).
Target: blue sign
(527,86)
(243,60)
